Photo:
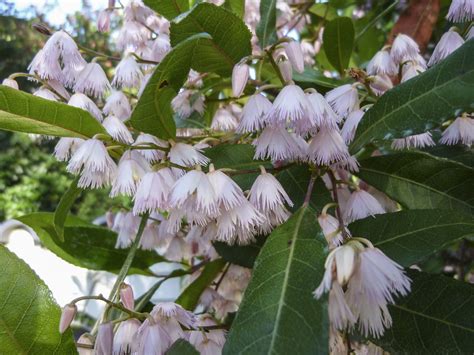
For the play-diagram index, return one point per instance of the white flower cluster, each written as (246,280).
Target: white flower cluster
(189,203)
(167,323)
(403,57)
(372,281)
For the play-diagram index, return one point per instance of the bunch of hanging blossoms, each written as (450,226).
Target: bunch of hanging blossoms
(185,200)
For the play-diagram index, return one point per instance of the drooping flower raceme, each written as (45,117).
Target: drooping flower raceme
(449,42)
(461,130)
(372,282)
(343,99)
(461,10)
(92,161)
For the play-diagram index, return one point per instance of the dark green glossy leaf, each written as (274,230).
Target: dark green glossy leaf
(22,112)
(234,156)
(278,313)
(168,8)
(238,157)
(229,38)
(243,255)
(419,180)
(341,4)
(324,11)
(86,245)
(295,181)
(153,113)
(369,42)
(29,316)
(410,236)
(459,153)
(266,28)
(236,6)
(181,347)
(435,318)
(189,298)
(64,206)
(338,41)
(424,102)
(312,78)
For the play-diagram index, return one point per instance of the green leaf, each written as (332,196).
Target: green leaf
(295,181)
(338,41)
(419,180)
(410,236)
(189,298)
(243,255)
(459,153)
(312,78)
(87,246)
(266,28)
(234,156)
(181,347)
(236,6)
(29,316)
(64,206)
(422,103)
(168,8)
(278,313)
(340,4)
(238,157)
(323,11)
(369,42)
(153,113)
(229,38)
(22,112)
(435,318)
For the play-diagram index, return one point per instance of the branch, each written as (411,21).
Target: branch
(342,226)
(125,268)
(309,191)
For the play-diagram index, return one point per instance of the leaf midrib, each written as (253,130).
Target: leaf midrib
(175,4)
(425,187)
(339,47)
(281,301)
(449,324)
(407,104)
(398,236)
(32,120)
(267,18)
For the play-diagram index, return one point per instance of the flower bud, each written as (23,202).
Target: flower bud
(67,316)
(345,261)
(42,28)
(240,76)
(295,55)
(285,70)
(381,83)
(10,83)
(104,341)
(330,227)
(126,296)
(103,21)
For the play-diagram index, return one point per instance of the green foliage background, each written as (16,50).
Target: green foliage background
(30,178)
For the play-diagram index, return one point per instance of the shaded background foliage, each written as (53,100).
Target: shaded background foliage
(30,178)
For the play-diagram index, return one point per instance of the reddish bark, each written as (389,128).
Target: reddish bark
(418,21)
